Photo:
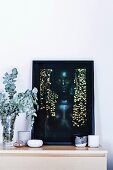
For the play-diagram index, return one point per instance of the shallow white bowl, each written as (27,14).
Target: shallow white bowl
(35,143)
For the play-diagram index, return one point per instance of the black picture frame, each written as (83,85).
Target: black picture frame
(65,110)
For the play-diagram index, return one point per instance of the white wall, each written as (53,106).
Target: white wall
(62,29)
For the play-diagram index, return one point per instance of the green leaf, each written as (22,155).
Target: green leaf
(14,71)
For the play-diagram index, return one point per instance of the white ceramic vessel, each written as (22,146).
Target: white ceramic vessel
(93,140)
(35,143)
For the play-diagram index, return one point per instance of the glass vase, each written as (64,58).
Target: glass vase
(8,130)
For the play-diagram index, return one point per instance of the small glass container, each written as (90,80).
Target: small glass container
(24,136)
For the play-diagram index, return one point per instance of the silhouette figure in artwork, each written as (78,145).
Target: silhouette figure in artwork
(63,86)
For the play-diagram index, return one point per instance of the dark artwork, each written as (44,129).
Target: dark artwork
(65,100)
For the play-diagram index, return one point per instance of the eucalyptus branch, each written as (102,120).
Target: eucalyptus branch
(17,103)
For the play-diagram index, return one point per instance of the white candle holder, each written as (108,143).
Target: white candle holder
(93,141)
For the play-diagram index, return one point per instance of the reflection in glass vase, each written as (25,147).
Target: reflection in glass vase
(8,129)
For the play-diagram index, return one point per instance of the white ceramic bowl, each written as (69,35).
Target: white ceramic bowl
(35,143)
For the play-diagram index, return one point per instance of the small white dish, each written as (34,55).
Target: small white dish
(34,143)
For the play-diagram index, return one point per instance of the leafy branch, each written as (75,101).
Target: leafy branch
(16,103)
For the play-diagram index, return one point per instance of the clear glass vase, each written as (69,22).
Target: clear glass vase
(8,130)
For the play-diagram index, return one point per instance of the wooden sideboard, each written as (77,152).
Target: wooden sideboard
(53,158)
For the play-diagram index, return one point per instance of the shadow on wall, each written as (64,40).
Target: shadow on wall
(110,160)
(110,156)
(20,125)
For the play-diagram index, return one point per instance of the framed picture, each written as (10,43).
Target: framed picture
(66,100)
